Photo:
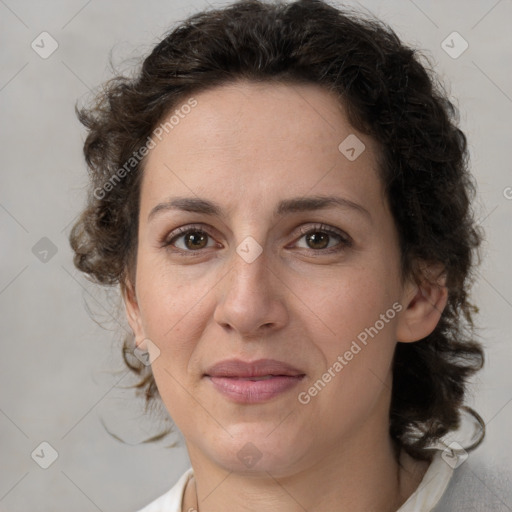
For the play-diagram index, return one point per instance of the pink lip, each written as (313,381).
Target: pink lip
(240,380)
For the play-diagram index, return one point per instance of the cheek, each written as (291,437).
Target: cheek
(353,299)
(359,309)
(356,372)
(169,305)
(173,315)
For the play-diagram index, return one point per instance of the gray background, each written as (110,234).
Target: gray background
(61,373)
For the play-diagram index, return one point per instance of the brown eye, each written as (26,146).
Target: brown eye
(195,240)
(325,239)
(317,240)
(188,239)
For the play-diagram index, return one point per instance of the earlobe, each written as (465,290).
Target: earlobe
(424,304)
(133,313)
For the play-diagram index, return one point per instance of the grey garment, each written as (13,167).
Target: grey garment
(476,487)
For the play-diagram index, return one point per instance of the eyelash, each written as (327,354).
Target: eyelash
(344,240)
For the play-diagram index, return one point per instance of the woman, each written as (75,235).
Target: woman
(282,195)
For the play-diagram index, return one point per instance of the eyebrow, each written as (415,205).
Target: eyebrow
(286,206)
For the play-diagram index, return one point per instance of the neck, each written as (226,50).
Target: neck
(365,478)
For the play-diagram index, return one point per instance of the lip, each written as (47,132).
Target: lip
(259,368)
(255,381)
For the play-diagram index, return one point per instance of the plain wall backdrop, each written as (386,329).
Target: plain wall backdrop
(61,374)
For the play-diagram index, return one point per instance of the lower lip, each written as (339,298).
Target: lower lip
(254,391)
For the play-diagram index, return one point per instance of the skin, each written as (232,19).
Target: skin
(248,146)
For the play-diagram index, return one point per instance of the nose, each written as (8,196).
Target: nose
(251,298)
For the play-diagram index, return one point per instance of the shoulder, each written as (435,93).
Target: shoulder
(477,485)
(171,501)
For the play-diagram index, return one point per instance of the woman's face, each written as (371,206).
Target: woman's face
(268,273)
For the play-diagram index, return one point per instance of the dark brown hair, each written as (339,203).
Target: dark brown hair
(389,94)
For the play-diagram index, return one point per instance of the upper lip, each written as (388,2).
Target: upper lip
(259,368)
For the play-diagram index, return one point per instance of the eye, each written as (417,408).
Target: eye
(188,239)
(319,238)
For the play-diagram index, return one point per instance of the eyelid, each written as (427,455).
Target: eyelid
(304,230)
(169,238)
(345,241)
(183,230)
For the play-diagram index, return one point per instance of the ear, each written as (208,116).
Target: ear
(133,313)
(424,303)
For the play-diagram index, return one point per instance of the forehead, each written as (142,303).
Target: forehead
(259,141)
(245,115)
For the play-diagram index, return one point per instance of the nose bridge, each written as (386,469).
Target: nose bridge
(249,297)
(252,251)
(249,271)
(250,234)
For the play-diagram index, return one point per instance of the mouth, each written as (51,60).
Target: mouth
(252,369)
(253,382)
(265,377)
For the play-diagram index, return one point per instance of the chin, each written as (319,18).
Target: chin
(257,450)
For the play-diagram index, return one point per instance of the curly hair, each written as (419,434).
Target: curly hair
(389,94)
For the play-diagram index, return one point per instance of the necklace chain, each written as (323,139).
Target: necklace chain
(195,508)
